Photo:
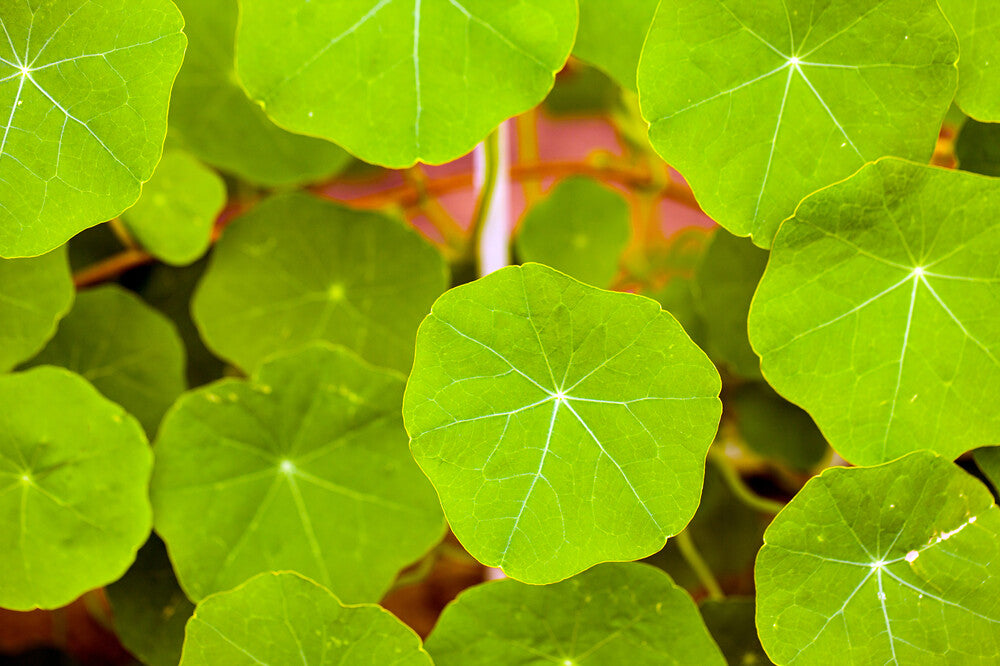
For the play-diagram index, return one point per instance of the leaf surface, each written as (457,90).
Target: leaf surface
(977,25)
(611,35)
(775,428)
(977,148)
(988,460)
(731,623)
(561,424)
(34,295)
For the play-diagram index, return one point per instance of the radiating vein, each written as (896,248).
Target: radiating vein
(774,141)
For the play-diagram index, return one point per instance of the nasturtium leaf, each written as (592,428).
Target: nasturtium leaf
(34,295)
(988,460)
(611,35)
(130,352)
(879,312)
(303,467)
(678,298)
(397,81)
(149,608)
(978,31)
(582,90)
(731,623)
(775,428)
(297,269)
(581,228)
(74,472)
(283,618)
(724,284)
(84,90)
(213,118)
(561,424)
(895,564)
(977,148)
(173,218)
(760,102)
(629,614)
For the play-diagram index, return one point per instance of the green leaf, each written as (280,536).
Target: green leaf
(724,285)
(890,564)
(149,608)
(629,614)
(212,116)
(297,269)
(397,81)
(582,90)
(84,90)
(581,228)
(611,35)
(34,295)
(879,312)
(775,428)
(561,424)
(173,218)
(74,469)
(127,350)
(303,467)
(283,618)
(731,623)
(758,103)
(988,460)
(978,33)
(977,148)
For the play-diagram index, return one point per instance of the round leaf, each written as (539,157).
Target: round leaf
(84,90)
(628,614)
(879,312)
(978,29)
(130,352)
(396,81)
(173,218)
(581,228)
(890,564)
(212,116)
(760,103)
(282,618)
(561,424)
(611,35)
(74,471)
(304,467)
(297,269)
(34,295)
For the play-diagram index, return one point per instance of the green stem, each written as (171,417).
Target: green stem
(739,488)
(701,569)
(491,152)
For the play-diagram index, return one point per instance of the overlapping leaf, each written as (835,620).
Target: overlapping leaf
(896,564)
(611,35)
(775,428)
(879,312)
(731,623)
(34,295)
(978,28)
(760,102)
(562,425)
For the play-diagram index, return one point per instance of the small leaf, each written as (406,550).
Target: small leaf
(977,148)
(628,614)
(758,103)
(283,618)
(561,424)
(34,295)
(879,312)
(731,623)
(128,351)
(581,228)
(303,467)
(213,118)
(890,564)
(775,428)
(74,472)
(397,81)
(297,269)
(979,37)
(84,90)
(173,218)
(611,35)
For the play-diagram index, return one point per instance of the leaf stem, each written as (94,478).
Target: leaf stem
(490,226)
(738,486)
(693,557)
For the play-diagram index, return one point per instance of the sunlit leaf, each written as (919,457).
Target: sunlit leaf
(283,618)
(879,312)
(627,614)
(611,35)
(303,467)
(978,33)
(561,424)
(396,81)
(895,564)
(74,471)
(34,295)
(760,102)
(84,89)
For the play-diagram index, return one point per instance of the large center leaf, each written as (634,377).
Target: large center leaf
(561,424)
(84,89)
(896,564)
(879,312)
(396,81)
(760,102)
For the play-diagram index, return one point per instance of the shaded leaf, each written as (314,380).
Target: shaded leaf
(611,35)
(988,460)
(775,428)
(731,623)
(34,295)
(977,148)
